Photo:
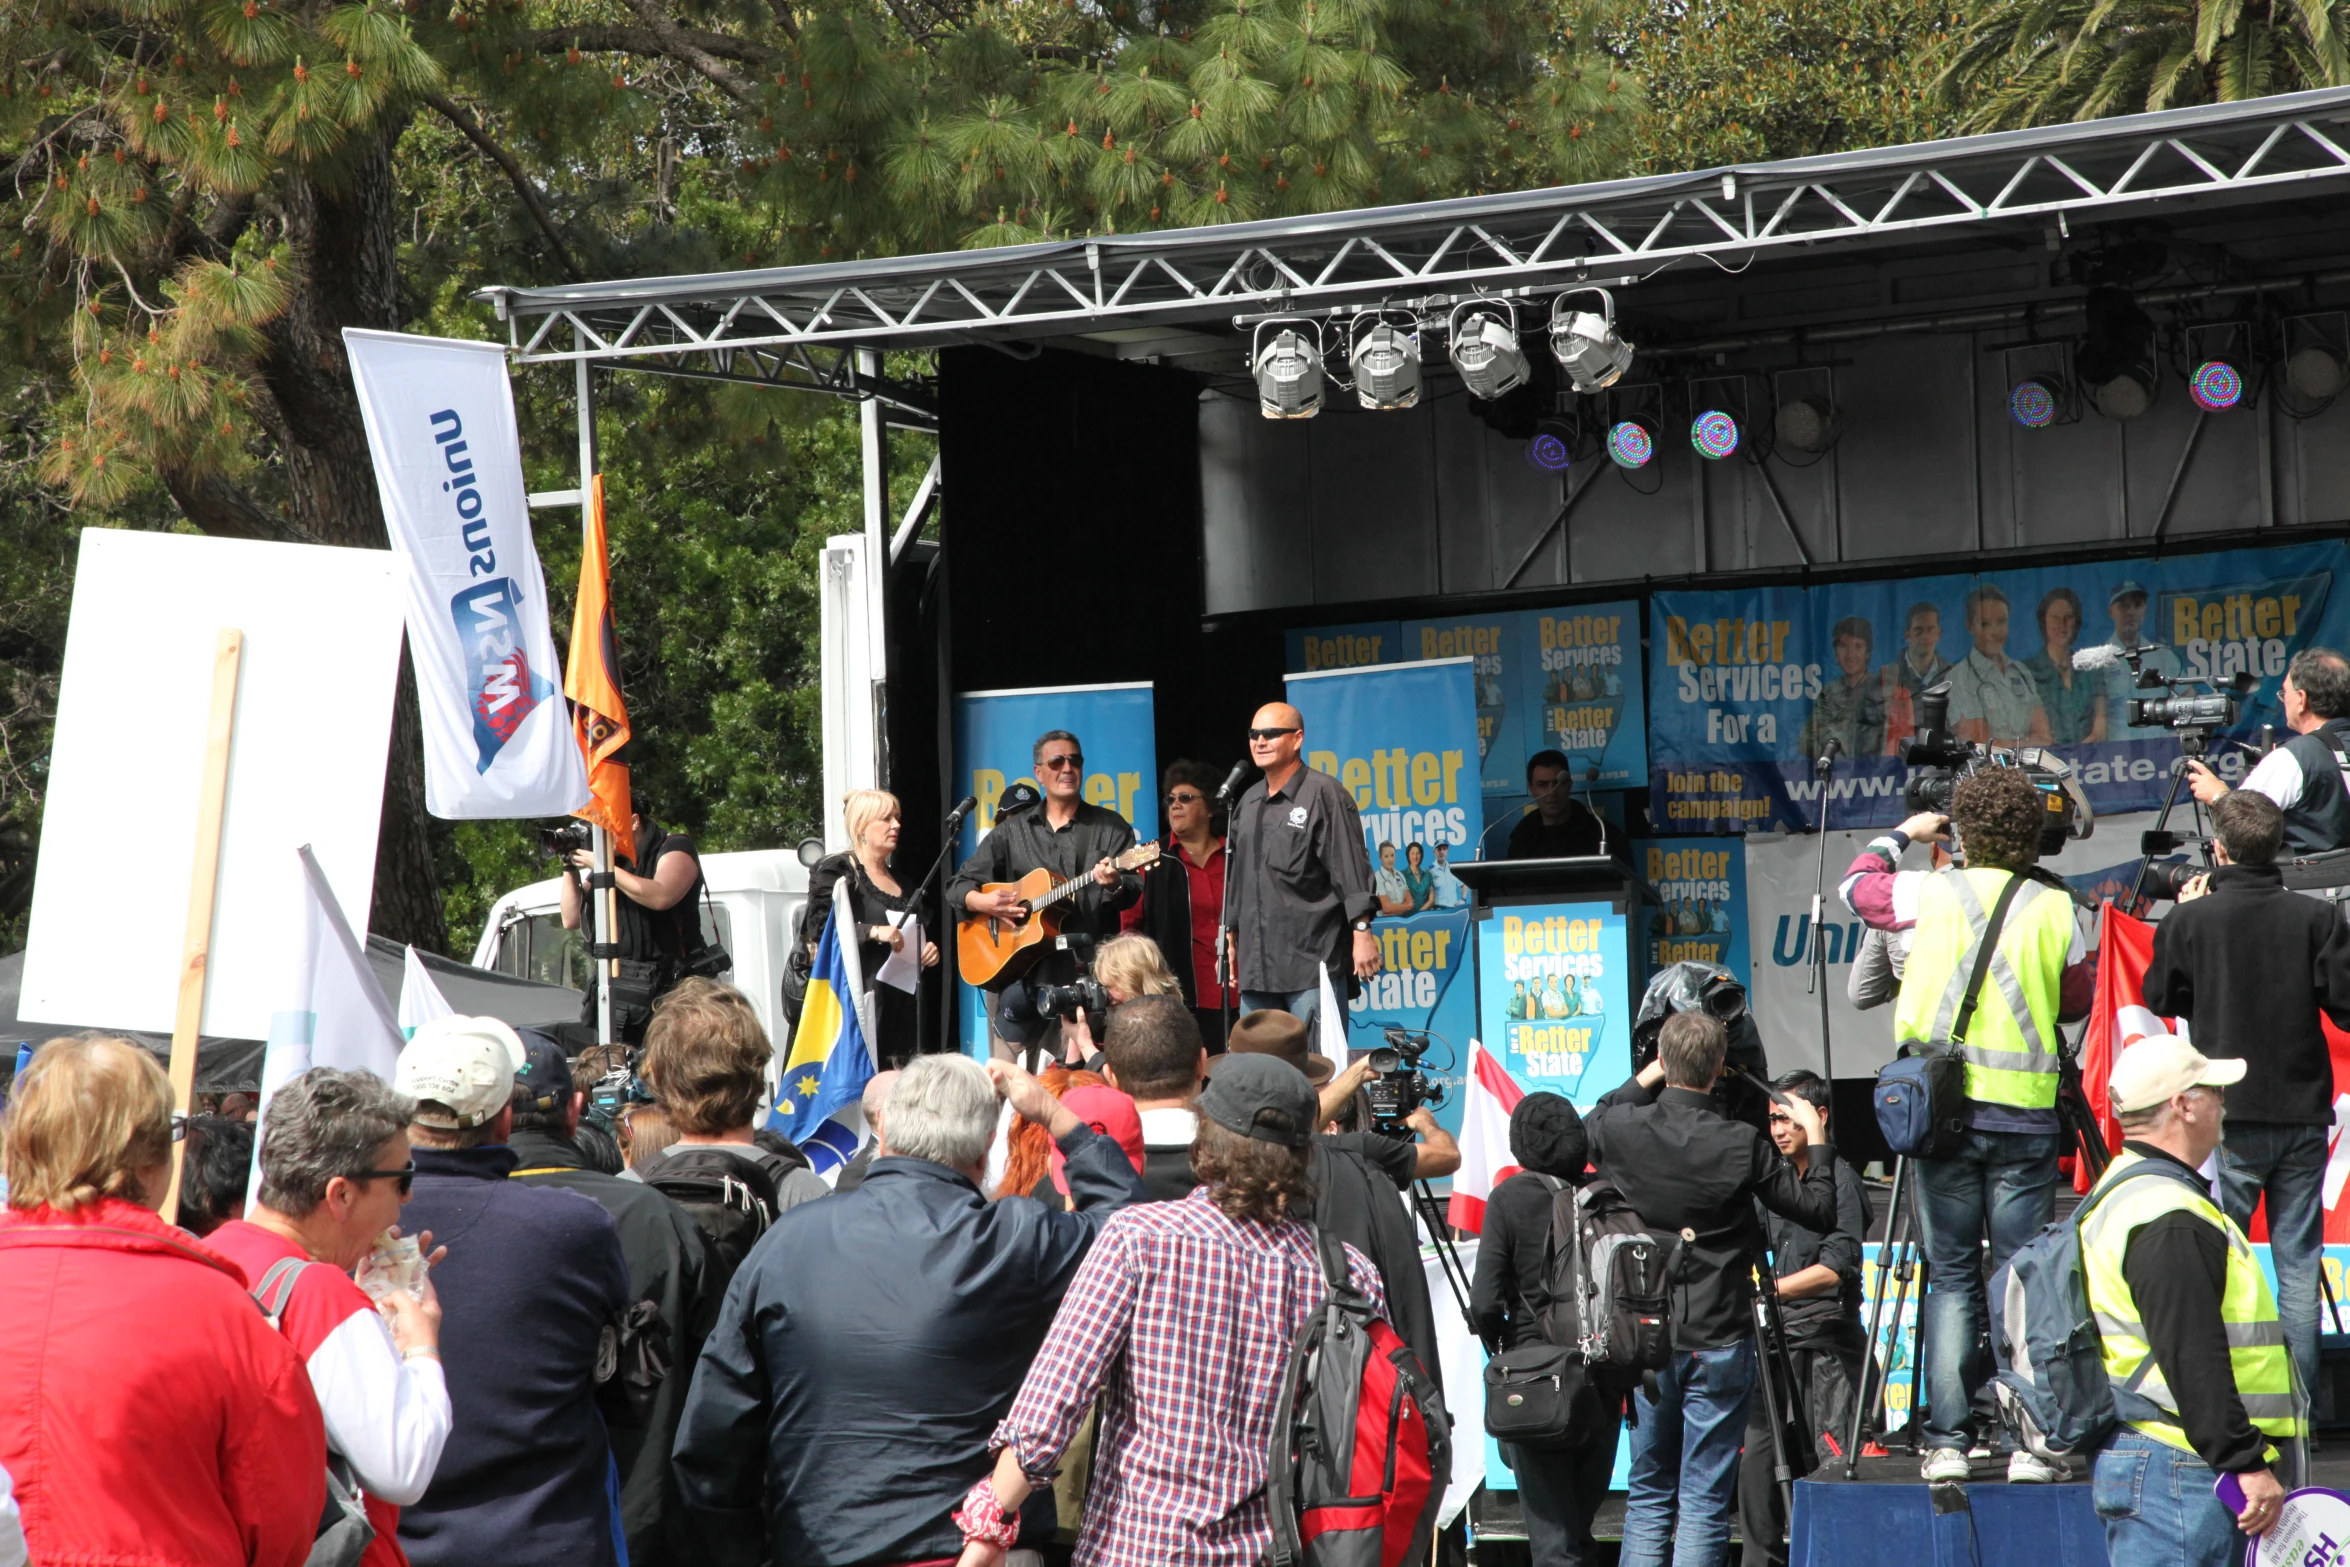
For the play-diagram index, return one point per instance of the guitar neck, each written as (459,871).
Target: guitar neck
(1067,889)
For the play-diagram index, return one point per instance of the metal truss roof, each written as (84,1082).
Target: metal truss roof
(793,326)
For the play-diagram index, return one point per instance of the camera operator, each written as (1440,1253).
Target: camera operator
(1683,1166)
(2002,1179)
(1817,1275)
(2250,965)
(2309,775)
(660,920)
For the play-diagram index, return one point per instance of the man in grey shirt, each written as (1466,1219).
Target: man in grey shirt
(1300,877)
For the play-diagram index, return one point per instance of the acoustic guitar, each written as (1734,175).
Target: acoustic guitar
(991,951)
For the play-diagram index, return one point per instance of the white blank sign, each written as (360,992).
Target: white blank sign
(118,831)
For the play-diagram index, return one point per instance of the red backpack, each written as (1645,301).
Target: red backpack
(1361,1446)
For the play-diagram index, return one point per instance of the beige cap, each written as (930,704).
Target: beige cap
(2160,1066)
(464,1063)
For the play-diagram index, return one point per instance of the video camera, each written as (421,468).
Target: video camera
(1401,1087)
(1940,760)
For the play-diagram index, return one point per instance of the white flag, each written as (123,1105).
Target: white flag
(1333,1030)
(420,999)
(335,1013)
(448,467)
(1486,1160)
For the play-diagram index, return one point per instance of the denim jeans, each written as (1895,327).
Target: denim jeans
(1685,1458)
(2289,1164)
(2003,1182)
(1304,1005)
(2157,1506)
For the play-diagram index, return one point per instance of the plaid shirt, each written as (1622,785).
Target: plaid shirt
(1180,1321)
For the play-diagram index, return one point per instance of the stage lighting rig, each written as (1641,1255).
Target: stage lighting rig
(1715,434)
(2217,351)
(1385,358)
(2038,401)
(2116,356)
(1485,348)
(1631,441)
(1288,368)
(1585,343)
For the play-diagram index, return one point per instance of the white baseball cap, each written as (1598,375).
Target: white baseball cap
(466,1064)
(2162,1065)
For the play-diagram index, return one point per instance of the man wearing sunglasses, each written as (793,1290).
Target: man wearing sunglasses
(1067,836)
(1300,896)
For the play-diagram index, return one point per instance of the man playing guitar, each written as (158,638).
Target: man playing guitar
(1066,836)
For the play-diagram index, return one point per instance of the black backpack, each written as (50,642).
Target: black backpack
(1611,1285)
(731,1200)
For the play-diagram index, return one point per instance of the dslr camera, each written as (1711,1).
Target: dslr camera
(562,842)
(1023,1010)
(1939,760)
(1401,1087)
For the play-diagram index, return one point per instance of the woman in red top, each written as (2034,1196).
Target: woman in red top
(147,1411)
(1183,895)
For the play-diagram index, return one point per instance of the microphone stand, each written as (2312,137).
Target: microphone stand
(946,847)
(1825,770)
(1227,969)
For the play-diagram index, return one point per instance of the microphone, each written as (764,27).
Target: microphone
(955,816)
(1230,783)
(1826,763)
(2103,656)
(1591,777)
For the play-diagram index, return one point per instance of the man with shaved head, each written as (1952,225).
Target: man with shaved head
(1300,894)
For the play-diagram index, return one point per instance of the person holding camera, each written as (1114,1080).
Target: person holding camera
(659,930)
(2001,1181)
(2309,775)
(2251,966)
(1686,1168)
(880,906)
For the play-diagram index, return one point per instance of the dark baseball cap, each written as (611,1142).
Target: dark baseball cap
(544,1083)
(1263,1097)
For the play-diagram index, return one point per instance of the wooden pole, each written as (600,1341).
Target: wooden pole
(203,879)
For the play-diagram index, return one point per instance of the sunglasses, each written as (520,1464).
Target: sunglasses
(1270,734)
(1183,799)
(1054,764)
(405,1175)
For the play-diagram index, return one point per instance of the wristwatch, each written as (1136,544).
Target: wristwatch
(1363,926)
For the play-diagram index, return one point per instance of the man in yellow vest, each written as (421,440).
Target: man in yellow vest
(2001,1181)
(2193,1345)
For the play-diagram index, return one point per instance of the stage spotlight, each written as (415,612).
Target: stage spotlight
(1586,345)
(2116,356)
(1485,348)
(2315,372)
(1714,434)
(1552,449)
(1631,441)
(1288,369)
(2036,401)
(1808,425)
(2216,386)
(1386,361)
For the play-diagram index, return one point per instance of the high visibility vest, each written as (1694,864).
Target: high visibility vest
(2256,1337)
(2011,1040)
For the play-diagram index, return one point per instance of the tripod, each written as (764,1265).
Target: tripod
(1825,768)
(1791,1442)
(1901,1256)
(1455,1273)
(2192,744)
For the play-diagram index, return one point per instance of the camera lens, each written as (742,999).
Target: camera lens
(1385,1060)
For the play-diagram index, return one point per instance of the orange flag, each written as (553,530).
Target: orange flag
(599,714)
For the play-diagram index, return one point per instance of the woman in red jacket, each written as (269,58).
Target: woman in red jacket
(148,1412)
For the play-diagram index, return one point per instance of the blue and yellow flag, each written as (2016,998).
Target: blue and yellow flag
(829,1065)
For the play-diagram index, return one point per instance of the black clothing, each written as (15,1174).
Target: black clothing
(1298,877)
(2177,1270)
(666,1271)
(866,1352)
(852,1175)
(2250,964)
(893,1009)
(1026,841)
(1828,1376)
(1560,1490)
(1535,839)
(2320,819)
(1795,1248)
(1211,1028)
(1682,1165)
(1357,1176)
(1166,913)
(660,935)
(1547,1138)
(1167,1174)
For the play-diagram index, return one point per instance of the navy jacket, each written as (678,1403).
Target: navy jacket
(533,1279)
(866,1349)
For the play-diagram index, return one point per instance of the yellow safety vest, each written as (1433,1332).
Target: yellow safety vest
(2256,1337)
(2011,1040)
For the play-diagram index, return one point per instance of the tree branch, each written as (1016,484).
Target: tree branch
(673,42)
(226,511)
(457,115)
(612,38)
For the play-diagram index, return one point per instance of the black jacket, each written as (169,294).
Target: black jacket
(2250,965)
(2320,819)
(1360,1181)
(1027,841)
(1166,914)
(532,1282)
(666,1271)
(1682,1165)
(865,1352)
(1794,1247)
(1513,1250)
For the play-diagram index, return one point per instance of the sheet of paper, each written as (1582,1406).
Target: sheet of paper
(903,968)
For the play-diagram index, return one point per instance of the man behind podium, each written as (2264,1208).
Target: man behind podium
(1560,825)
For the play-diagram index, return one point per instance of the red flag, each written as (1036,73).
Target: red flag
(599,714)
(1485,1139)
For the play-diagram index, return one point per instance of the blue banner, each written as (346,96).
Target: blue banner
(1700,912)
(995,738)
(1555,996)
(1319,649)
(1402,738)
(1748,685)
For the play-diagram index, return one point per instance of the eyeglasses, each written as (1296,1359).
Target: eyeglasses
(405,1175)
(1271,734)
(1182,799)
(1053,764)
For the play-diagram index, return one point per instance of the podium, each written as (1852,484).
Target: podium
(1560,946)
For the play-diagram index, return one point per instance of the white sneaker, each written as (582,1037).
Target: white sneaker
(1944,1466)
(2028,1468)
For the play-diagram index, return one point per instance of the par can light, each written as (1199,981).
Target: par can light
(1287,367)
(1386,361)
(2035,401)
(1631,441)
(1550,450)
(1586,345)
(1485,349)
(1714,434)
(2216,386)
(1807,424)
(2315,372)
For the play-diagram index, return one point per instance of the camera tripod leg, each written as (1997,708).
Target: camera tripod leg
(1896,1216)
(1771,1358)
(2170,803)
(1455,1274)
